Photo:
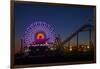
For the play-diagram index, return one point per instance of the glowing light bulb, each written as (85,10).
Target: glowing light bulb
(88,46)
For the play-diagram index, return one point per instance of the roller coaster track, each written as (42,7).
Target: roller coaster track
(86,27)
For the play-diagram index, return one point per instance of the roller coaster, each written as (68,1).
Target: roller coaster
(84,28)
(40,54)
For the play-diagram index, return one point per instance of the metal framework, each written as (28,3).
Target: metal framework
(76,33)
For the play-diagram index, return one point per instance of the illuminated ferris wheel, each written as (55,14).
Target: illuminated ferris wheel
(39,32)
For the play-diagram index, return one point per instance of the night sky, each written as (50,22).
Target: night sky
(66,19)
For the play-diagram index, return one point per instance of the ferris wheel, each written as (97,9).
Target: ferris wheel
(39,30)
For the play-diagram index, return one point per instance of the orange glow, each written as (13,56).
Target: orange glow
(40,36)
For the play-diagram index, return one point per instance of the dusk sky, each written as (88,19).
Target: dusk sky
(66,19)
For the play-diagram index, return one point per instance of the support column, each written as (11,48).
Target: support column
(21,49)
(90,37)
(69,44)
(77,37)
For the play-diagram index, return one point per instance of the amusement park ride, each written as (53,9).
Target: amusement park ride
(39,39)
(40,45)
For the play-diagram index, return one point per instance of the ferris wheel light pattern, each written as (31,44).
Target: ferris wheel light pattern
(38,26)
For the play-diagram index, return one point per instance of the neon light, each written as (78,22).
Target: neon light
(39,30)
